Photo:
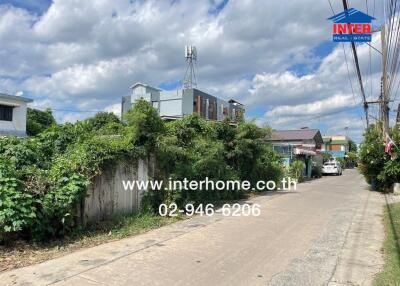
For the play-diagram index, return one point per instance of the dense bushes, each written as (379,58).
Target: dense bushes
(17,208)
(193,148)
(38,121)
(296,170)
(379,168)
(42,178)
(351,159)
(342,162)
(316,171)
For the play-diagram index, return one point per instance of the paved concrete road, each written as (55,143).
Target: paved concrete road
(328,232)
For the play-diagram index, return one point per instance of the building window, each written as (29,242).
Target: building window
(6,113)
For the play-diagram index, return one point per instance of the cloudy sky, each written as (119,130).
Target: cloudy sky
(277,57)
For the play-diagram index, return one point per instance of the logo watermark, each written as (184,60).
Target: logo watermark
(352,26)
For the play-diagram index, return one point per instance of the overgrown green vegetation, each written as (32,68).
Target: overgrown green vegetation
(316,171)
(353,146)
(380,169)
(296,170)
(326,157)
(42,178)
(391,271)
(342,162)
(38,121)
(351,159)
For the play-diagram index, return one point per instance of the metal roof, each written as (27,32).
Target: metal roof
(14,97)
(145,85)
(296,135)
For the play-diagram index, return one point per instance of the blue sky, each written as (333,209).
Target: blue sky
(34,6)
(79,56)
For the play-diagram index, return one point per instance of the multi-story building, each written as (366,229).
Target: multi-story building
(178,103)
(13,111)
(338,146)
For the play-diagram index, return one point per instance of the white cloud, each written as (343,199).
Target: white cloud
(114,108)
(330,104)
(85,54)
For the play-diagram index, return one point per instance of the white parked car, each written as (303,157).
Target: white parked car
(332,167)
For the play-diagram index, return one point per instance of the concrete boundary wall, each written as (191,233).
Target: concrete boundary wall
(106,197)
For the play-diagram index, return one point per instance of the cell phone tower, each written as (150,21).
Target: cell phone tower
(190,81)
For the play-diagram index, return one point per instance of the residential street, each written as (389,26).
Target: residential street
(328,232)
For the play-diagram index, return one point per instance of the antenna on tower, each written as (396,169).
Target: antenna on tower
(189,80)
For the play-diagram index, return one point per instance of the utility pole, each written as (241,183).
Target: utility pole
(381,102)
(398,115)
(385,96)
(353,47)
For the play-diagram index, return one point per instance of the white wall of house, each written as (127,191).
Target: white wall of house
(18,124)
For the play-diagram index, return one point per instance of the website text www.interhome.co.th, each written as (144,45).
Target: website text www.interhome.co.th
(207,184)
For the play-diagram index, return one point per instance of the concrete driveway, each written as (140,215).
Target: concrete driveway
(328,232)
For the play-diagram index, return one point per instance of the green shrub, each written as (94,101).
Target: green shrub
(296,170)
(52,172)
(379,168)
(144,125)
(17,210)
(38,121)
(351,159)
(326,157)
(372,156)
(342,162)
(101,120)
(194,148)
(316,171)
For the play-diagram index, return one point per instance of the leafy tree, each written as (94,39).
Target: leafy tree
(342,162)
(351,159)
(248,146)
(102,119)
(391,170)
(296,170)
(17,209)
(144,125)
(372,155)
(326,157)
(38,121)
(352,146)
(316,171)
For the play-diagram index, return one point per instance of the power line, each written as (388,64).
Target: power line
(370,59)
(353,47)
(393,44)
(348,74)
(330,4)
(347,66)
(321,115)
